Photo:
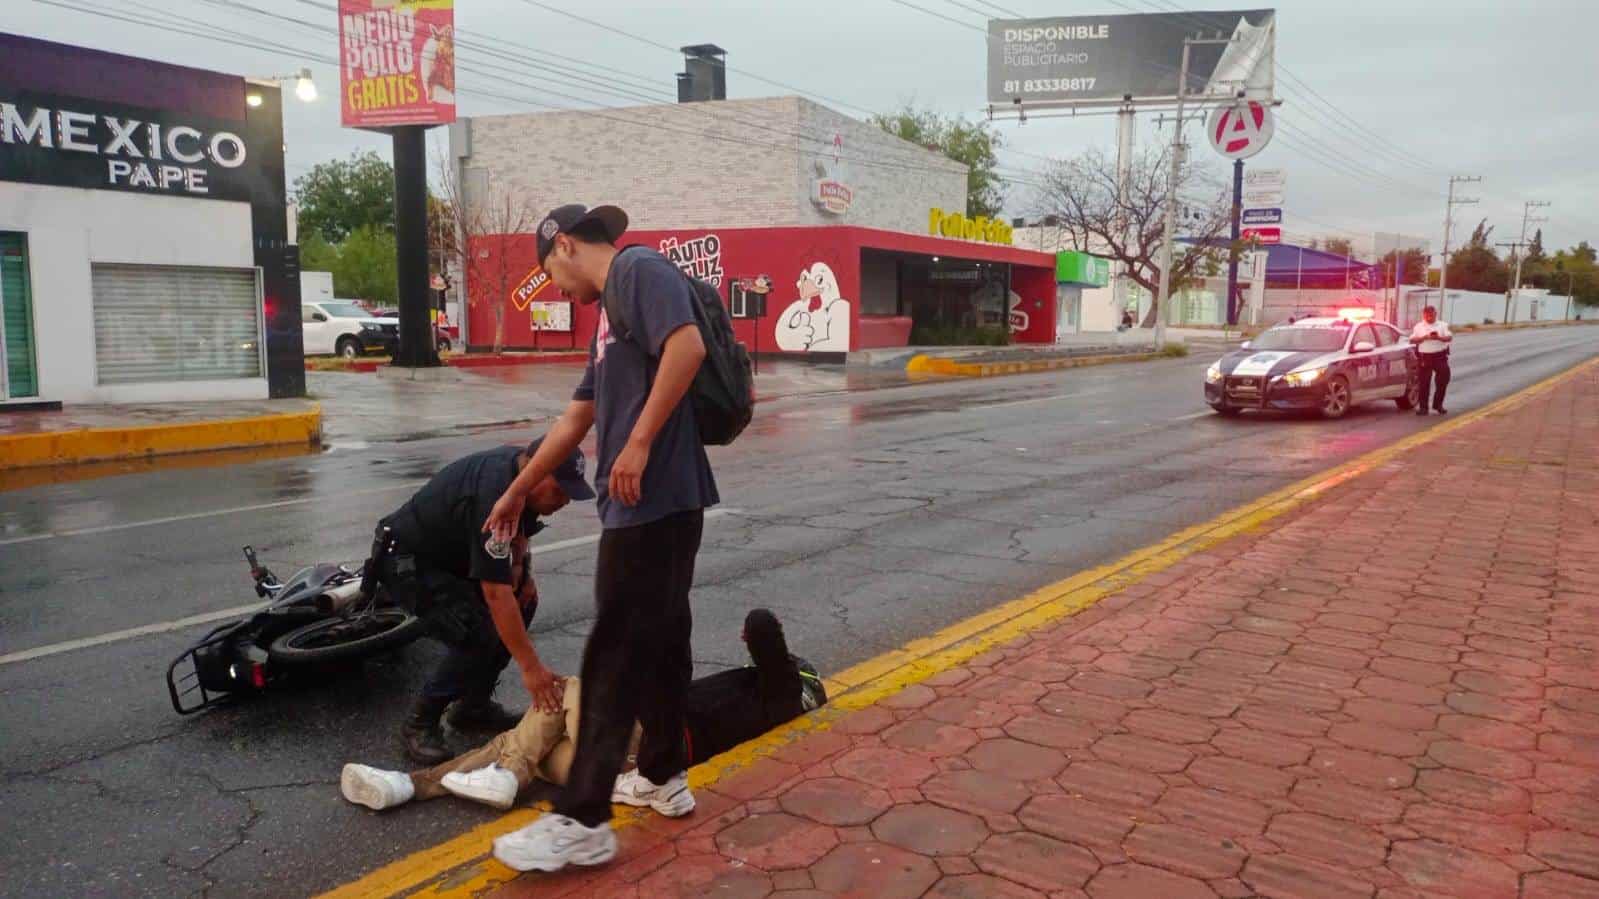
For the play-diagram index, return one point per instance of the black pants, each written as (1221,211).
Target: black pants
(457,616)
(637,664)
(1434,366)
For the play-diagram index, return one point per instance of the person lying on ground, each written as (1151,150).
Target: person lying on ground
(724,710)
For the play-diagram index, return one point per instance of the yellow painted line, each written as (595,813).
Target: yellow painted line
(142,441)
(922,364)
(462,866)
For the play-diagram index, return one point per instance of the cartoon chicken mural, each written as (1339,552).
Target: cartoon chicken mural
(817,322)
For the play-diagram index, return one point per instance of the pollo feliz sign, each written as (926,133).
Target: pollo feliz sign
(397,62)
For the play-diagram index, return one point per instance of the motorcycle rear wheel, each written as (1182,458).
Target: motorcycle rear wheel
(341,639)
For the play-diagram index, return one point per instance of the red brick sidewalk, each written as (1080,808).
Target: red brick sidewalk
(1393,692)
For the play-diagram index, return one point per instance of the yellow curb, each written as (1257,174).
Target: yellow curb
(462,866)
(104,444)
(922,364)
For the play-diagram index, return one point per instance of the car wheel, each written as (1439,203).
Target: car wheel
(1225,411)
(1411,397)
(349,348)
(1335,398)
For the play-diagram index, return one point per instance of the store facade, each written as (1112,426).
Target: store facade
(825,235)
(143,232)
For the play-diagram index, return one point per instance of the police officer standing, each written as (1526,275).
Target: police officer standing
(475,593)
(1431,338)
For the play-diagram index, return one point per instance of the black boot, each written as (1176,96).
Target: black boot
(482,715)
(421,736)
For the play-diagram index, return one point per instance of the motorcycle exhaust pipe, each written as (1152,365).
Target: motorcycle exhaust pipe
(336,599)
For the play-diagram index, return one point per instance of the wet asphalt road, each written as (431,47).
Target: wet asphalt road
(863,519)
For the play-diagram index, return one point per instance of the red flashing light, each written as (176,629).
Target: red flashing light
(258,675)
(1356,314)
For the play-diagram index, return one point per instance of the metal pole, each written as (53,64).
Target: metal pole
(1163,301)
(1232,250)
(410,246)
(1124,166)
(1443,264)
(1568,295)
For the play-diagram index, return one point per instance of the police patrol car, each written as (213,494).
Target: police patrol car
(1325,365)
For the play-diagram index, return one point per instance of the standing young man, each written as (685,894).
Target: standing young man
(1432,339)
(654,484)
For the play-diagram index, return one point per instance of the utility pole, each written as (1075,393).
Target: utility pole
(1449,221)
(1173,178)
(1526,219)
(1515,253)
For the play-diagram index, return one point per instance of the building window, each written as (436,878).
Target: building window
(19,376)
(157,324)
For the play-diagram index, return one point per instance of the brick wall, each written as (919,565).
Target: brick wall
(728,164)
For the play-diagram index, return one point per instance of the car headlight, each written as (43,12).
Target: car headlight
(1213,374)
(1304,378)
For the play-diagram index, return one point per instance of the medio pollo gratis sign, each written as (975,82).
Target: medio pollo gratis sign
(396,62)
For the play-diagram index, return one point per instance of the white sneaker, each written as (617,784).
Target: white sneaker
(553,842)
(671,799)
(492,785)
(375,788)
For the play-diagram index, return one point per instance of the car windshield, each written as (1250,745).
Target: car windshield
(1324,339)
(346,310)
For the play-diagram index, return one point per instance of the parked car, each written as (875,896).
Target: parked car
(441,336)
(1322,364)
(344,328)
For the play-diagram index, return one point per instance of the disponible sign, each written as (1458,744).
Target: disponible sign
(397,62)
(1109,57)
(73,142)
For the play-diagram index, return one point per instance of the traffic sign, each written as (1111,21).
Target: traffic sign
(1268,216)
(1262,199)
(1242,130)
(1263,235)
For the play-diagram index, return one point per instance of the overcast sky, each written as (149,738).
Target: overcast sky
(1481,87)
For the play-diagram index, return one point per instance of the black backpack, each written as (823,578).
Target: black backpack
(724,388)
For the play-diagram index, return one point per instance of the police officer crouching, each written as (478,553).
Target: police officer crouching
(476,594)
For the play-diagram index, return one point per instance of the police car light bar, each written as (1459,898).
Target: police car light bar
(1356,314)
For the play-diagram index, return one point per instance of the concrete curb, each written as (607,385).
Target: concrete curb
(930,365)
(110,444)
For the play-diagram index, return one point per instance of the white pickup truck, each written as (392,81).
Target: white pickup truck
(342,327)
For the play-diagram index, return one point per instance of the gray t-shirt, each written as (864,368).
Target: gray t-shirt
(654,300)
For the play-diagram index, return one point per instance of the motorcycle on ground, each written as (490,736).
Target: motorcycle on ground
(323,614)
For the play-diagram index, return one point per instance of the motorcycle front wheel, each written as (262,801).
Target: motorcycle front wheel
(341,639)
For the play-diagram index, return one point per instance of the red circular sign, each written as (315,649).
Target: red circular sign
(1242,130)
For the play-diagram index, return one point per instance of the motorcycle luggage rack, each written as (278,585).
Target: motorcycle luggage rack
(180,688)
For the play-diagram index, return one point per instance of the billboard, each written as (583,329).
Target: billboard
(1086,58)
(396,62)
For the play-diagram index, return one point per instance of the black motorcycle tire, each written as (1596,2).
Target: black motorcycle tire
(308,645)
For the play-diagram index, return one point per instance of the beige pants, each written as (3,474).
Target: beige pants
(541,745)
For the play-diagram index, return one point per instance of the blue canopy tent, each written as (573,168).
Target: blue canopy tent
(1291,267)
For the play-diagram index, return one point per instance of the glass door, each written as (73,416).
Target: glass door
(18,374)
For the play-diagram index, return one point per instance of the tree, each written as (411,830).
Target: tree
(1339,246)
(336,198)
(973,144)
(1477,267)
(367,268)
(1082,193)
(481,215)
(1413,268)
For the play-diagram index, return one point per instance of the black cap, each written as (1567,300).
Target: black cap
(566,219)
(568,474)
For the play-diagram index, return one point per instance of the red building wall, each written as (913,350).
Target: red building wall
(814,275)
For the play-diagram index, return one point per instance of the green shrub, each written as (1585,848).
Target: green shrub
(1175,350)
